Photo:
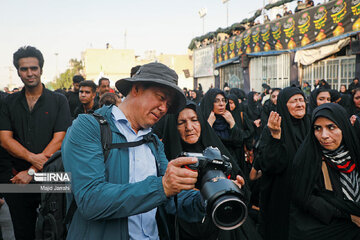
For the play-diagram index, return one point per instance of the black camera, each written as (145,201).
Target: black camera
(224,199)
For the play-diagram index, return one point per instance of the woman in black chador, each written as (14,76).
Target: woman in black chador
(189,132)
(269,105)
(246,126)
(226,124)
(355,103)
(280,140)
(253,110)
(326,183)
(317,97)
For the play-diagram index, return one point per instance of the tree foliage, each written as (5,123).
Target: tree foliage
(65,78)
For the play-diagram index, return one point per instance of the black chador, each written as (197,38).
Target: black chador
(313,98)
(232,138)
(173,146)
(322,206)
(276,162)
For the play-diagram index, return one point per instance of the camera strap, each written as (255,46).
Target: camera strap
(327,181)
(106,142)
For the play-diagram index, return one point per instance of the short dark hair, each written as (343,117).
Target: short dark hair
(88,83)
(103,79)
(107,99)
(78,79)
(25,52)
(134,70)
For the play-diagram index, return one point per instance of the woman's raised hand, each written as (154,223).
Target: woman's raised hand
(274,125)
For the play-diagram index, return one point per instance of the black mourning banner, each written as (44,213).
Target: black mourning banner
(312,25)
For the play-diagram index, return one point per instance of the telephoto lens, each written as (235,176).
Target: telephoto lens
(223,197)
(224,200)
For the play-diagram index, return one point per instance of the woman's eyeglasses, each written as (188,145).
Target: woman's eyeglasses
(223,100)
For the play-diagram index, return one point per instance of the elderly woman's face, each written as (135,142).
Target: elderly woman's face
(296,106)
(189,126)
(219,104)
(327,133)
(323,97)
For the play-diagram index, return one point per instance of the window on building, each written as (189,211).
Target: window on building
(336,71)
(272,70)
(232,75)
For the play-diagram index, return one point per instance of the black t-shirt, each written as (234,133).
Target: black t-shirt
(74,101)
(80,110)
(34,130)
(5,163)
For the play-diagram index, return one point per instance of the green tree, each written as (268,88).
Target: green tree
(65,78)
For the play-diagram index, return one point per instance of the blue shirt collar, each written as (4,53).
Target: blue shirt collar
(119,116)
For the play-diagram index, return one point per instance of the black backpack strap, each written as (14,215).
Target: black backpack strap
(106,135)
(106,140)
(146,139)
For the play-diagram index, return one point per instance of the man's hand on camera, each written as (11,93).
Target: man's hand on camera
(177,178)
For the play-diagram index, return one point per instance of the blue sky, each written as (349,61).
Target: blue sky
(68,27)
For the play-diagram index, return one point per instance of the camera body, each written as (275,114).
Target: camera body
(224,199)
(210,159)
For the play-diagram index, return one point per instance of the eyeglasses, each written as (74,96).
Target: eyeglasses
(223,100)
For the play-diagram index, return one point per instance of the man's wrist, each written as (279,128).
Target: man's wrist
(29,157)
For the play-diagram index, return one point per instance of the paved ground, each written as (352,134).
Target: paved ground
(5,223)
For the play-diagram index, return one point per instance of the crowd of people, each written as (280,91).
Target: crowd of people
(294,153)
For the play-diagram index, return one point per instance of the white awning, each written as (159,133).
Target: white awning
(309,56)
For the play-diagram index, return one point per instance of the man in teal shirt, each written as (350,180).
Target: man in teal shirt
(125,197)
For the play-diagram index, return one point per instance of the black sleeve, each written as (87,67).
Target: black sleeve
(248,127)
(5,122)
(274,155)
(63,120)
(256,164)
(357,127)
(236,135)
(322,209)
(264,116)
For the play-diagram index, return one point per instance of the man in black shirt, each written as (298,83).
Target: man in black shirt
(73,96)
(104,87)
(87,95)
(33,123)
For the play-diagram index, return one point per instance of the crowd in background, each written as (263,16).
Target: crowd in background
(248,126)
(268,137)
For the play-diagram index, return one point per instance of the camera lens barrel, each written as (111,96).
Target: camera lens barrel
(228,212)
(224,200)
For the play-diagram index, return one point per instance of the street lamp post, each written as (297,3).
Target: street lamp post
(227,11)
(56,55)
(202,14)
